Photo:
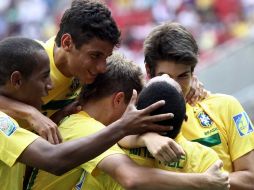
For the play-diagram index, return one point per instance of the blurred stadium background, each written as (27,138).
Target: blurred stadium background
(224,30)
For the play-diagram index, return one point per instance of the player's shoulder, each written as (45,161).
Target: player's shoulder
(220,99)
(80,119)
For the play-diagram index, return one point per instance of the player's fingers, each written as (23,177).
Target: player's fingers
(133,98)
(159,117)
(169,154)
(50,138)
(54,135)
(152,107)
(178,150)
(59,136)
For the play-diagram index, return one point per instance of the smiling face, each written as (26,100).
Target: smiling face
(181,73)
(89,60)
(37,85)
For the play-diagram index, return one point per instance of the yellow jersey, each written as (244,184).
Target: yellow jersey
(221,123)
(197,159)
(73,127)
(65,89)
(14,141)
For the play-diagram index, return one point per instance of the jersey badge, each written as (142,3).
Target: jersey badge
(7,126)
(204,119)
(243,124)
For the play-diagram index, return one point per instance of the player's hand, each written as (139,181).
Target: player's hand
(197,92)
(45,127)
(72,108)
(162,148)
(217,179)
(139,121)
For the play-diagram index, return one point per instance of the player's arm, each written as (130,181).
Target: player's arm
(162,148)
(60,158)
(131,176)
(243,176)
(45,127)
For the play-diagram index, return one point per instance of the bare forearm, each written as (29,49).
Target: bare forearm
(15,108)
(158,179)
(58,159)
(241,180)
(131,141)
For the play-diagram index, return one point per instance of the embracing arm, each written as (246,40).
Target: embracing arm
(162,148)
(45,127)
(60,158)
(131,176)
(243,176)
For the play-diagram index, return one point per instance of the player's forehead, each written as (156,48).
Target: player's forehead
(165,78)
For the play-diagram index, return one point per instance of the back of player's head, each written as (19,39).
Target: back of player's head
(86,19)
(122,75)
(167,90)
(170,42)
(18,54)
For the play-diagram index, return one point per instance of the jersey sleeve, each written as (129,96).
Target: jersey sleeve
(13,140)
(239,129)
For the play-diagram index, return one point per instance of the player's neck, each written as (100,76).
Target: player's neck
(98,110)
(61,61)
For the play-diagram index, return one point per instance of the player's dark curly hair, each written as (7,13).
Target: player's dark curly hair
(87,19)
(18,54)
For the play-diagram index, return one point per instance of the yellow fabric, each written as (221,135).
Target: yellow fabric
(74,127)
(221,123)
(64,91)
(198,159)
(13,141)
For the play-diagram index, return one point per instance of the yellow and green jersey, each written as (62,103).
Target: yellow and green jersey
(197,159)
(73,127)
(65,89)
(13,140)
(221,123)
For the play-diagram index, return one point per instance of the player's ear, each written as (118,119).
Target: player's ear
(118,98)
(67,42)
(16,79)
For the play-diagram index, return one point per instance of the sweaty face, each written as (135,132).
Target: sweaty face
(38,83)
(181,73)
(89,60)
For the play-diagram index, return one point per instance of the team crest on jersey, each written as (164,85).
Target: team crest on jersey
(243,124)
(204,119)
(7,126)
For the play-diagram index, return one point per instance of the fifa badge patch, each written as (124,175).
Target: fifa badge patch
(7,126)
(243,124)
(204,119)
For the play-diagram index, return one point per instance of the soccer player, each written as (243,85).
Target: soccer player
(77,54)
(103,102)
(218,121)
(197,157)
(24,76)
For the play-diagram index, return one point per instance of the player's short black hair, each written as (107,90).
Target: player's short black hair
(18,54)
(174,99)
(86,19)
